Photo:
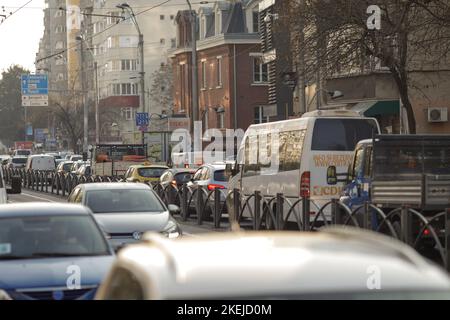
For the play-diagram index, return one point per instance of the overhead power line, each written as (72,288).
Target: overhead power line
(6,16)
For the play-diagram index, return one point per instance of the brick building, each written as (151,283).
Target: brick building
(232,81)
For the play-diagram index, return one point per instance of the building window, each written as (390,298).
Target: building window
(260,73)
(173,42)
(259,115)
(60,77)
(128,65)
(127,113)
(172,17)
(59,45)
(59,29)
(162,41)
(113,18)
(221,120)
(203,74)
(161,17)
(219,72)
(206,119)
(124,89)
(219,22)
(255,17)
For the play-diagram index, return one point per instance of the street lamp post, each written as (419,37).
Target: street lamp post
(194,66)
(85,98)
(126,6)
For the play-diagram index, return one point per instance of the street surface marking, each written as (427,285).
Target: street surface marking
(36,197)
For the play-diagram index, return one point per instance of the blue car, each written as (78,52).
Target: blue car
(51,251)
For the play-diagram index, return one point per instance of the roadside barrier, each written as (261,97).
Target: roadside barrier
(425,233)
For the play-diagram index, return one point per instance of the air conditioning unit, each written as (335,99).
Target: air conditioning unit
(437,115)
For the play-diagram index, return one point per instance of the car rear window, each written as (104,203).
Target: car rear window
(183,177)
(151,172)
(341,134)
(19,160)
(219,175)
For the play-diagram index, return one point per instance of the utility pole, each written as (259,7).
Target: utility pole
(194,66)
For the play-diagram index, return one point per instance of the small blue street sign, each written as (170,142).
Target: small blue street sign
(142,119)
(34,84)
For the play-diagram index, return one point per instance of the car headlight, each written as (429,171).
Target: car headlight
(172,230)
(4,295)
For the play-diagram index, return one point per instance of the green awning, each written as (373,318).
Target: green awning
(377,108)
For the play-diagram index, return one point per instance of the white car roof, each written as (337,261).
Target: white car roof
(115,186)
(233,265)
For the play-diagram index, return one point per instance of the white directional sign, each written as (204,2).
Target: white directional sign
(34,100)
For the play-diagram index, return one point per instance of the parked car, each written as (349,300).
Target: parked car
(210,177)
(339,263)
(17,162)
(42,245)
(125,211)
(144,173)
(292,157)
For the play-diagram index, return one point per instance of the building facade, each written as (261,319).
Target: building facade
(232,81)
(115,48)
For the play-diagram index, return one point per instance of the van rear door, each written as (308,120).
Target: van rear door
(333,142)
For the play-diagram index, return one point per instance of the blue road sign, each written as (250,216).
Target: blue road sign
(34,84)
(142,119)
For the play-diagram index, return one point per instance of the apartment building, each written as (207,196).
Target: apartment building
(115,49)
(232,80)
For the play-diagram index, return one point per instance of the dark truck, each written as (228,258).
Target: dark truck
(391,171)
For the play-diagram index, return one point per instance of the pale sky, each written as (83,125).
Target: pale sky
(20,33)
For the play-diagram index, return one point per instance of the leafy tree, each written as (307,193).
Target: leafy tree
(12,124)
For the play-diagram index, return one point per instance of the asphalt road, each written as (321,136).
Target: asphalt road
(190,228)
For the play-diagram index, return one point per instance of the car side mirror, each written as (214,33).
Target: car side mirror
(173,209)
(16,186)
(331,175)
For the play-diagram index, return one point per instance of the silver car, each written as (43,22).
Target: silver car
(209,177)
(126,210)
(337,264)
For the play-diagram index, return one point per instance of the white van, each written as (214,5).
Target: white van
(307,146)
(41,162)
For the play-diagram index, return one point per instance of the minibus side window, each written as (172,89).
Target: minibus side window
(251,166)
(291,145)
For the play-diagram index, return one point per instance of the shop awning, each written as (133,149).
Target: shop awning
(377,108)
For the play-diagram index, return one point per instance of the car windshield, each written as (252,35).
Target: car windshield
(123,200)
(19,160)
(151,172)
(50,236)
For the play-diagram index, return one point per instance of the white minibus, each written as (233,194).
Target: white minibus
(292,157)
